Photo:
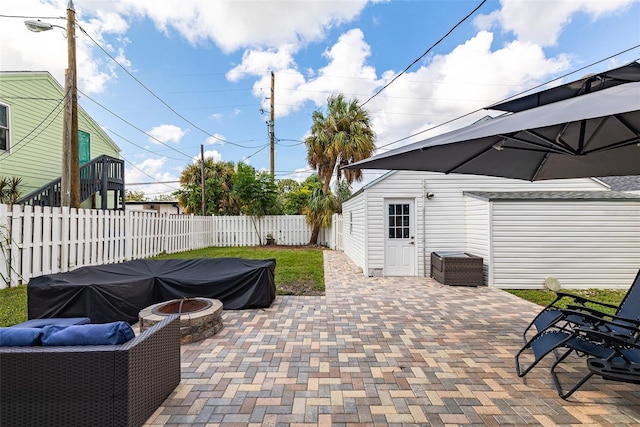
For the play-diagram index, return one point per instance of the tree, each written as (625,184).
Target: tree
(218,186)
(343,192)
(256,193)
(10,189)
(294,196)
(339,136)
(319,210)
(135,196)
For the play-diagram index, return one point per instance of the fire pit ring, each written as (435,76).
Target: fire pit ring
(200,318)
(185,305)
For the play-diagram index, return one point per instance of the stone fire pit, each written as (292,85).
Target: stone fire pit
(200,318)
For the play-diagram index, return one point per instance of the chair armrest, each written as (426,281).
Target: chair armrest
(582,300)
(612,340)
(598,318)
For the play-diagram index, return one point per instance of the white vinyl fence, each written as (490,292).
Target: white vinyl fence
(43,240)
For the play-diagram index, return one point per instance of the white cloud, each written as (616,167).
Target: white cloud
(23,50)
(541,22)
(470,77)
(217,139)
(166,133)
(236,24)
(209,154)
(151,169)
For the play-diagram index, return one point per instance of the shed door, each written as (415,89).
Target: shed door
(400,248)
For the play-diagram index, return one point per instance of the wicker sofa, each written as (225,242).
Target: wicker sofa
(117,385)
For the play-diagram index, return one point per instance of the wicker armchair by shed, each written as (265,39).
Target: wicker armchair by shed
(102,385)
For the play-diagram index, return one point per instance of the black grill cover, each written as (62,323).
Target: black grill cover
(108,293)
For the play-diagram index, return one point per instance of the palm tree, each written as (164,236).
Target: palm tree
(341,136)
(218,185)
(9,189)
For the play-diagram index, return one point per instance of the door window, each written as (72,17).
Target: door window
(399,224)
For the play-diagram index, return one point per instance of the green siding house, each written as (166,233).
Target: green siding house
(31,129)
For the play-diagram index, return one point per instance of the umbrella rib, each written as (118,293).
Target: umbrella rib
(539,168)
(620,144)
(551,147)
(593,135)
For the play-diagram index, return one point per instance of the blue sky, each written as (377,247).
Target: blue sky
(210,61)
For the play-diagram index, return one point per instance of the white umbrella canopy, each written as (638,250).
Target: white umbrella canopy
(595,134)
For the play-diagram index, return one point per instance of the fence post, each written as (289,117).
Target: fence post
(5,247)
(128,235)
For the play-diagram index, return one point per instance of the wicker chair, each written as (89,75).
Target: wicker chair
(120,385)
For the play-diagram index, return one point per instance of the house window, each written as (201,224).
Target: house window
(350,222)
(398,220)
(4,128)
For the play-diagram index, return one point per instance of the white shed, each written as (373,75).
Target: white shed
(391,226)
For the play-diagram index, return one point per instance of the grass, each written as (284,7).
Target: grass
(544,297)
(299,271)
(13,305)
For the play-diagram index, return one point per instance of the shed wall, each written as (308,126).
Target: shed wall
(478,232)
(353,230)
(443,227)
(583,244)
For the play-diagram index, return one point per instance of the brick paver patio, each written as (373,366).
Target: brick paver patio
(381,351)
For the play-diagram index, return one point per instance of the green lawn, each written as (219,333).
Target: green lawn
(544,297)
(299,271)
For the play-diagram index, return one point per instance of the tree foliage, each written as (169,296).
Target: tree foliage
(339,136)
(135,196)
(10,189)
(218,186)
(256,193)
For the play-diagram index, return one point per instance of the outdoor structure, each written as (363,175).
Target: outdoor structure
(575,230)
(31,142)
(162,207)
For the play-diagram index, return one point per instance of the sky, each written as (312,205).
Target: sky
(164,78)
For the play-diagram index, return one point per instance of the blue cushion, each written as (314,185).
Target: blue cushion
(11,337)
(58,321)
(92,334)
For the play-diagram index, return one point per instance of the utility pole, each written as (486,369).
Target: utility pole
(272,135)
(202,183)
(74,161)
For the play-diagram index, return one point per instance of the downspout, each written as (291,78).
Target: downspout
(424,227)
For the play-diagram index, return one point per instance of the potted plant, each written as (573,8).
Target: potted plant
(270,240)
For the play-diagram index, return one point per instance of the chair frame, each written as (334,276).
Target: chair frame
(601,339)
(552,315)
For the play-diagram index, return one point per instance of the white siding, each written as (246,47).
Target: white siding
(444,222)
(398,185)
(354,226)
(478,231)
(584,244)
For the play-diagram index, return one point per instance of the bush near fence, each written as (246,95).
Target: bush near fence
(43,240)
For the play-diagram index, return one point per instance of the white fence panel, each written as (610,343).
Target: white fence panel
(43,240)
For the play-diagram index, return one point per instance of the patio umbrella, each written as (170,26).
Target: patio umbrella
(595,134)
(591,83)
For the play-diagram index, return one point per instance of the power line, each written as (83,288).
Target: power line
(21,144)
(513,96)
(156,96)
(133,126)
(426,52)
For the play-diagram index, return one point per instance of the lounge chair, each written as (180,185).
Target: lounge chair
(602,339)
(552,314)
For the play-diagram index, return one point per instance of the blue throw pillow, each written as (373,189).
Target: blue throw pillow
(13,337)
(92,334)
